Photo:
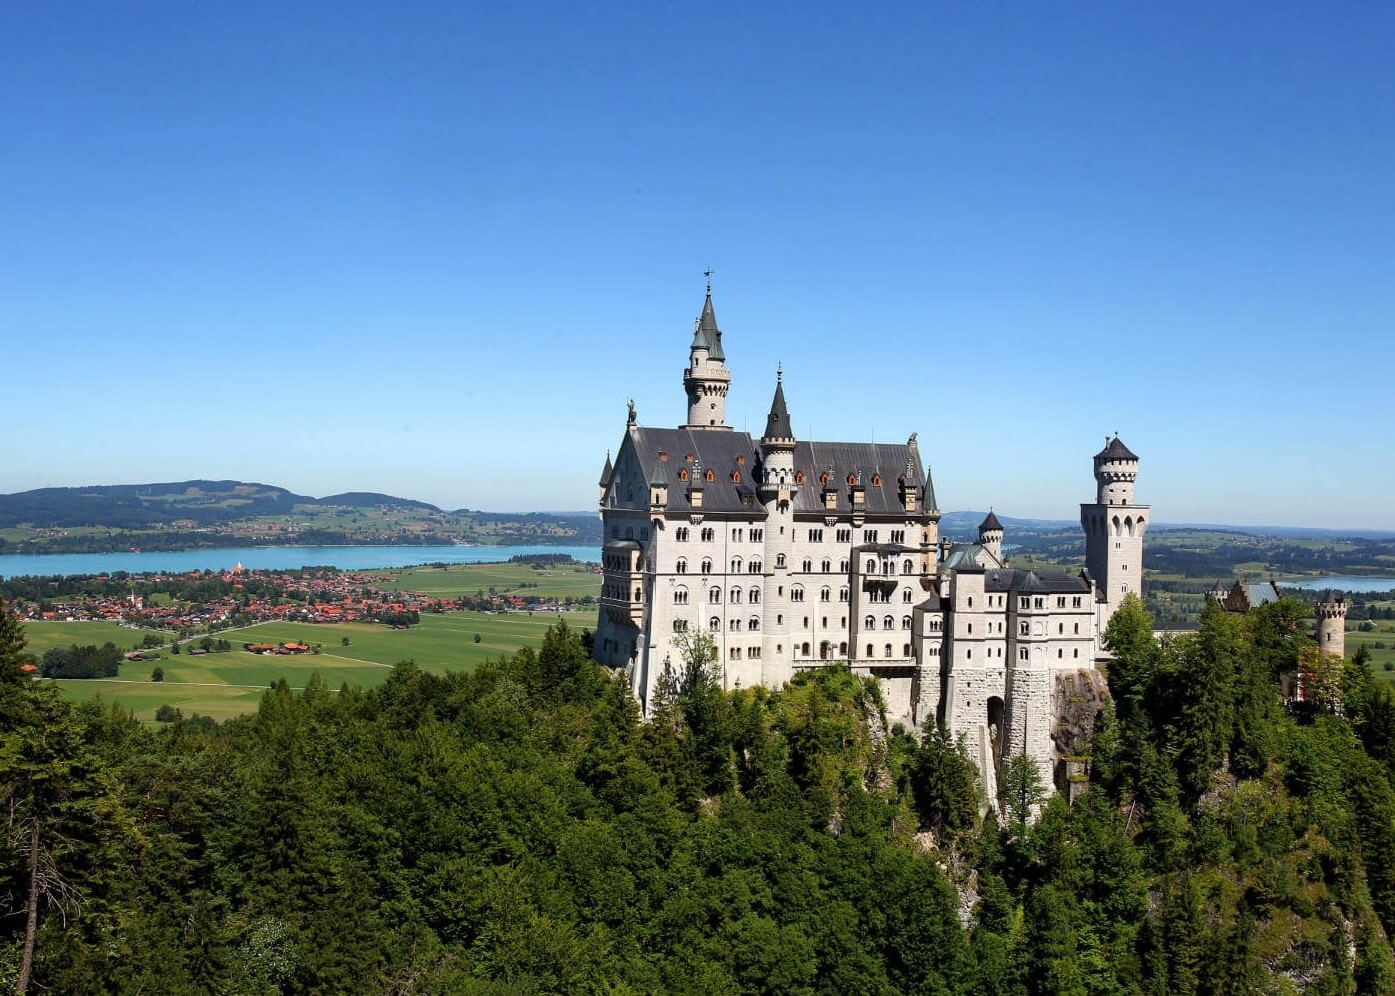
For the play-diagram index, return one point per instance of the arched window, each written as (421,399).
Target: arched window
(871,566)
(735,626)
(682,566)
(779,560)
(680,625)
(905,650)
(869,650)
(825,594)
(680,595)
(681,533)
(887,651)
(905,622)
(905,567)
(842,567)
(797,593)
(755,596)
(714,595)
(754,567)
(754,624)
(707,565)
(843,594)
(808,566)
(736,565)
(888,622)
(827,566)
(870,622)
(707,535)
(906,597)
(735,596)
(843,649)
(714,624)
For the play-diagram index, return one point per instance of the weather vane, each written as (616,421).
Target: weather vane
(708,274)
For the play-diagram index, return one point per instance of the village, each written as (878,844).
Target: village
(209,601)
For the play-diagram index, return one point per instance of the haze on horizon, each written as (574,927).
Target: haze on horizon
(432,251)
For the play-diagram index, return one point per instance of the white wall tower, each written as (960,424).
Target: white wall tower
(777,492)
(1114,527)
(707,379)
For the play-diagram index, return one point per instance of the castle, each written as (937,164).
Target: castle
(794,554)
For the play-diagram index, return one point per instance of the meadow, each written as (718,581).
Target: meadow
(46,635)
(229,684)
(456,580)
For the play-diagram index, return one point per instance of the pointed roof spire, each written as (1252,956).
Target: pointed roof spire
(989,523)
(608,471)
(777,424)
(707,335)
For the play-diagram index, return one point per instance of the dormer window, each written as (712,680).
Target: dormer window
(741,459)
(736,476)
(852,480)
(663,457)
(823,478)
(688,458)
(876,480)
(710,476)
(683,474)
(799,477)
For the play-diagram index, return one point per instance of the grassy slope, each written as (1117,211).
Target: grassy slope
(468,579)
(228,684)
(45,635)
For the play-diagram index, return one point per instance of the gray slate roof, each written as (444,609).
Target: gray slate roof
(990,521)
(1114,449)
(1015,579)
(707,335)
(777,424)
(719,449)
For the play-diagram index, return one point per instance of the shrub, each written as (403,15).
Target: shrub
(158,674)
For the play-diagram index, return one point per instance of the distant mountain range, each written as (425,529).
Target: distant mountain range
(141,506)
(965,524)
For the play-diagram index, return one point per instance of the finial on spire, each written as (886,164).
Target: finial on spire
(708,274)
(779,372)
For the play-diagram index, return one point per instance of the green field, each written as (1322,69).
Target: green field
(43,636)
(229,684)
(1380,656)
(506,579)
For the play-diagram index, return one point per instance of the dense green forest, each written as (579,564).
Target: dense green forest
(518,829)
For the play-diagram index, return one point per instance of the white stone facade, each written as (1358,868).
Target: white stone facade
(796,555)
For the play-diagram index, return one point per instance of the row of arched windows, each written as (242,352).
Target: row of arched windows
(870,622)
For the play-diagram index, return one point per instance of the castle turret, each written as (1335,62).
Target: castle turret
(777,492)
(607,472)
(1332,624)
(990,535)
(1114,526)
(707,380)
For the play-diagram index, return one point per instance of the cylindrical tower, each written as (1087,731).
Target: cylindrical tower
(1332,624)
(707,380)
(1116,470)
(777,492)
(990,536)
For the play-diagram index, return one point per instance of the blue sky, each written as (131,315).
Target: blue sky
(431,249)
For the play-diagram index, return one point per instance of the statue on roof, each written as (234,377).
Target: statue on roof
(630,419)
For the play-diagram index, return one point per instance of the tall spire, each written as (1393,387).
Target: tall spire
(707,380)
(777,425)
(707,335)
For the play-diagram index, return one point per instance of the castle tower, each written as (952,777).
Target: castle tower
(1114,526)
(707,380)
(1332,624)
(990,536)
(777,493)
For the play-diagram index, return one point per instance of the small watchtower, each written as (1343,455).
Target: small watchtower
(1332,624)
(990,535)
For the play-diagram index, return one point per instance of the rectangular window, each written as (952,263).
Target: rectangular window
(898,536)
(844,536)
(815,535)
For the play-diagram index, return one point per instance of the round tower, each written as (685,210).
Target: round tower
(1114,526)
(777,491)
(990,536)
(707,379)
(1332,624)
(1116,470)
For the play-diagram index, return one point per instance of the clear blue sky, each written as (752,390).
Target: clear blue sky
(431,249)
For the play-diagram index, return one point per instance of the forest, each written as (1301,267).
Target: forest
(518,829)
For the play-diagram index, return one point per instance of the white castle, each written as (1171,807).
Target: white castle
(796,554)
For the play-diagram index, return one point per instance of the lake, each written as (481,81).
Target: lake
(274,558)
(1343,583)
